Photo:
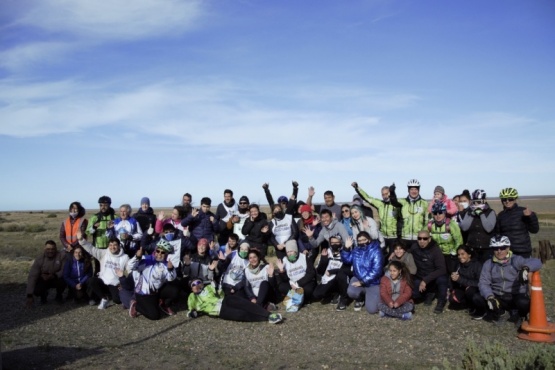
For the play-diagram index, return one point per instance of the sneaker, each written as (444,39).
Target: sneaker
(274,318)
(335,299)
(407,316)
(478,315)
(341,306)
(359,305)
(103,304)
(272,307)
(92,302)
(429,299)
(165,309)
(381,313)
(439,307)
(133,309)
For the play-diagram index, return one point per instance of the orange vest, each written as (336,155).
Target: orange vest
(72,228)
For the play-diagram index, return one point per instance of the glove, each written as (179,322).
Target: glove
(150,230)
(392,188)
(523,275)
(192,314)
(295,184)
(477,212)
(493,304)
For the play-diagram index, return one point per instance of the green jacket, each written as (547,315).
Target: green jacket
(415,217)
(448,241)
(99,237)
(387,212)
(208,301)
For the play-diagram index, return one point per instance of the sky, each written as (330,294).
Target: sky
(161,97)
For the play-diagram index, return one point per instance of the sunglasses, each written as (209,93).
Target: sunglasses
(499,249)
(158,251)
(196,282)
(346,211)
(243,203)
(507,199)
(419,238)
(437,213)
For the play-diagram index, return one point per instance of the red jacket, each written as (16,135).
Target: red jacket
(386,291)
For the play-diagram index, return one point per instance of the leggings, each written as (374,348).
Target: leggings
(102,290)
(266,293)
(235,308)
(149,304)
(396,312)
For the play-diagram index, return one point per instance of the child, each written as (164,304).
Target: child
(396,292)
(440,196)
(465,281)
(400,254)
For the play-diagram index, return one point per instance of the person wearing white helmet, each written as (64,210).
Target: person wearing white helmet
(413,211)
(504,283)
(478,221)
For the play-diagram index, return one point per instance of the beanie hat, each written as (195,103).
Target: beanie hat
(439,189)
(291,245)
(306,208)
(244,199)
(145,200)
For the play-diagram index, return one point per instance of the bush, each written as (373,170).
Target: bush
(34,228)
(52,215)
(13,228)
(496,356)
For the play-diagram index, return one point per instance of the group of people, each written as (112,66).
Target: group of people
(456,251)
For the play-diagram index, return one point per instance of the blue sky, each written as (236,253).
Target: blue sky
(161,97)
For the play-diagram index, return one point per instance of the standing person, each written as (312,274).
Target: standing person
(447,235)
(224,212)
(204,299)
(465,282)
(413,211)
(367,261)
(99,223)
(282,229)
(257,230)
(202,222)
(516,223)
(388,213)
(346,218)
(77,272)
(504,283)
(107,283)
(359,223)
(478,221)
(329,203)
(178,214)
(430,280)
(396,292)
(46,273)
(75,221)
(127,226)
(464,204)
(235,224)
(151,275)
(145,216)
(283,202)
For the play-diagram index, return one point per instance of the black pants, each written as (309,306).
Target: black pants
(520,301)
(236,308)
(463,297)
(266,294)
(284,287)
(149,305)
(437,287)
(101,290)
(338,285)
(42,286)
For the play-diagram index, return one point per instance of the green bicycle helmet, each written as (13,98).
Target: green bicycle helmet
(165,246)
(508,193)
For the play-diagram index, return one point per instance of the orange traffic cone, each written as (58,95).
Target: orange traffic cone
(538,329)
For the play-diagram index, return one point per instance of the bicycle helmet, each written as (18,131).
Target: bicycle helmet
(499,241)
(508,193)
(104,199)
(413,183)
(165,246)
(479,194)
(439,207)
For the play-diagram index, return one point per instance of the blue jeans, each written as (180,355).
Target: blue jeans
(371,295)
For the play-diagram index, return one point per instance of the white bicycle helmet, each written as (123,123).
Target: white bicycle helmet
(413,183)
(499,241)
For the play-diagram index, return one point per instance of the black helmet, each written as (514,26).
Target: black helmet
(104,199)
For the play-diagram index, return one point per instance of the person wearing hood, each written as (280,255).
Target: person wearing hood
(516,223)
(260,280)
(282,229)
(256,229)
(359,222)
(152,274)
(145,216)
(367,261)
(414,215)
(295,271)
(430,280)
(233,267)
(388,213)
(74,222)
(107,283)
(100,222)
(478,221)
(335,275)
(46,273)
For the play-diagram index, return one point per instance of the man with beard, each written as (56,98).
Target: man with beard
(46,273)
(329,203)
(225,211)
(235,223)
(100,222)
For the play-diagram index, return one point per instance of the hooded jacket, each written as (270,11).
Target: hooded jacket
(500,277)
(335,227)
(108,262)
(512,223)
(367,263)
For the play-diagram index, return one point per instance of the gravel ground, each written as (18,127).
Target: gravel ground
(71,336)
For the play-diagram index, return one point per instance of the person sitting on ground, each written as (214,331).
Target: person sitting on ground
(107,283)
(75,221)
(257,230)
(204,299)
(233,268)
(401,254)
(478,221)
(77,272)
(516,223)
(367,261)
(282,229)
(151,275)
(465,282)
(296,271)
(46,273)
(440,196)
(335,275)
(396,292)
(261,282)
(430,280)
(145,216)
(504,283)
(202,222)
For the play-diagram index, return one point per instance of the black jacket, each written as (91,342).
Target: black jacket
(430,263)
(512,223)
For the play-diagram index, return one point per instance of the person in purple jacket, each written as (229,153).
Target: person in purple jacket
(77,271)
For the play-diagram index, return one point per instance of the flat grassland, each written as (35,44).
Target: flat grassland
(317,337)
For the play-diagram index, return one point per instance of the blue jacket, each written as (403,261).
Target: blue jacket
(367,263)
(201,227)
(76,272)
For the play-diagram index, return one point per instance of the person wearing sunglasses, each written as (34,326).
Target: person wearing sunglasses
(430,280)
(151,275)
(478,221)
(504,283)
(237,221)
(516,223)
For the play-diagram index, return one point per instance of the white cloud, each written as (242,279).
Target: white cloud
(32,54)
